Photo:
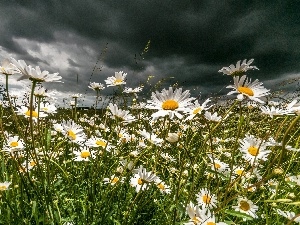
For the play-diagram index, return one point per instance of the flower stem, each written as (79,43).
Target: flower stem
(285,137)
(31,111)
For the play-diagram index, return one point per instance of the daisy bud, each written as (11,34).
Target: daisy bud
(120,169)
(185,173)
(172,137)
(291,195)
(278,171)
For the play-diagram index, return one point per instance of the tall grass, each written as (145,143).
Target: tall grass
(48,185)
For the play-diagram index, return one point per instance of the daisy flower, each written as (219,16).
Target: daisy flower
(132,90)
(73,131)
(219,166)
(14,143)
(34,74)
(97,142)
(206,199)
(75,96)
(239,171)
(212,117)
(167,157)
(142,178)
(243,87)
(25,111)
(113,180)
(96,86)
(294,178)
(294,107)
(103,127)
(169,102)
(239,69)
(126,137)
(4,186)
(254,149)
(84,154)
(7,68)
(152,138)
(273,111)
(271,142)
(210,219)
(120,114)
(251,105)
(72,103)
(196,109)
(163,188)
(118,79)
(48,108)
(289,215)
(195,213)
(41,92)
(27,165)
(246,206)
(58,127)
(272,185)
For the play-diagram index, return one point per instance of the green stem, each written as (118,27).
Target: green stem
(31,111)
(285,138)
(75,110)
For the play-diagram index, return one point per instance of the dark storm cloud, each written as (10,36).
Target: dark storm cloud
(190,40)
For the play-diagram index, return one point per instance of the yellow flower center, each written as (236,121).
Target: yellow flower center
(206,199)
(140,181)
(170,105)
(251,189)
(245,90)
(244,205)
(85,154)
(100,143)
(117,81)
(32,163)
(34,113)
(161,186)
(115,180)
(72,135)
(197,110)
(211,223)
(239,172)
(196,220)
(3,187)
(14,144)
(217,165)
(253,151)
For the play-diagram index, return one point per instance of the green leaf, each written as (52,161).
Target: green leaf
(116,222)
(48,138)
(33,208)
(283,200)
(239,214)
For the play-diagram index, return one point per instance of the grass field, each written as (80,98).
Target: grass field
(168,160)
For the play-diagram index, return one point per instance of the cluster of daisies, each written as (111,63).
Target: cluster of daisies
(167,108)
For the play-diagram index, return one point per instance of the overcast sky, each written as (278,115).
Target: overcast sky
(190,41)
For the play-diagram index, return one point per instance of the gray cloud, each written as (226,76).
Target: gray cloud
(190,40)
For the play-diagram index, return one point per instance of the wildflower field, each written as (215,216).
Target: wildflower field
(167,159)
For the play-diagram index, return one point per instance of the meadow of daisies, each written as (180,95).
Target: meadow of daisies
(169,159)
